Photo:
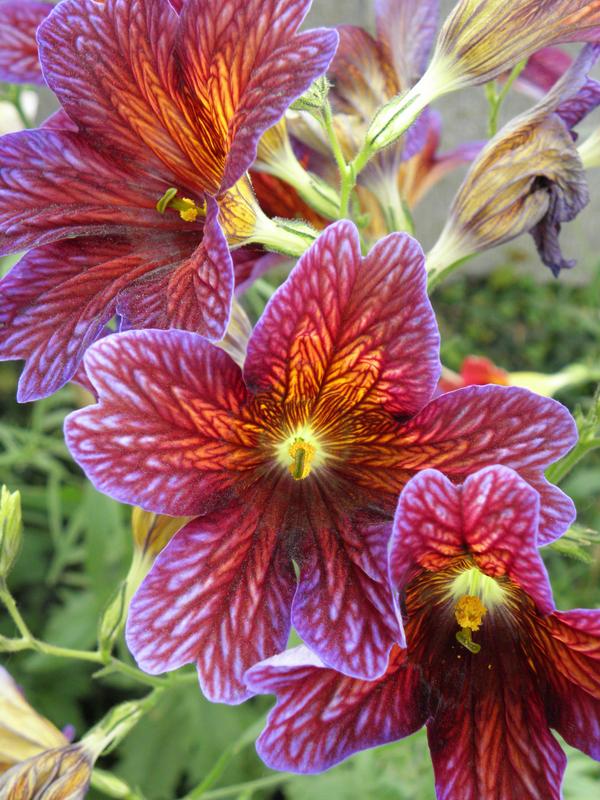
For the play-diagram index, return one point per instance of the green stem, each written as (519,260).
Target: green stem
(347,181)
(496,99)
(247,737)
(559,471)
(11,606)
(249,786)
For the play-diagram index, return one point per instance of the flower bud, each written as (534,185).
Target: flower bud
(11,529)
(314,98)
(59,774)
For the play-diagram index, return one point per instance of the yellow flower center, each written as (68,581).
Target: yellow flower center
(302,454)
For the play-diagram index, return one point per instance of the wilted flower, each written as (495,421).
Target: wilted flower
(60,774)
(529,177)
(19,21)
(489,668)
(297,460)
(132,193)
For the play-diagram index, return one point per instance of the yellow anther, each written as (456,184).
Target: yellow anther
(469,612)
(302,454)
(190,211)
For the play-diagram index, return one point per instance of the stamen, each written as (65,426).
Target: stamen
(302,454)
(188,210)
(469,612)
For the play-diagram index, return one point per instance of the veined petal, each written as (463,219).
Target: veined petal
(19,21)
(219,595)
(246,62)
(167,433)
(341,610)
(347,330)
(362,80)
(483,38)
(53,184)
(406,30)
(493,517)
(568,643)
(194,297)
(493,741)
(58,299)
(112,67)
(322,717)
(478,426)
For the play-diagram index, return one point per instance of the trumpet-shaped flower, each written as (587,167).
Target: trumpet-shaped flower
(489,667)
(292,468)
(529,177)
(131,196)
(19,21)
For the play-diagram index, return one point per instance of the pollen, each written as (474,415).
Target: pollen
(189,212)
(302,454)
(469,612)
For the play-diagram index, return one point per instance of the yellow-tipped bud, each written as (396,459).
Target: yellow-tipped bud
(11,529)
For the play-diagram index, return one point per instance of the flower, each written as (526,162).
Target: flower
(529,177)
(23,732)
(19,21)
(479,371)
(489,668)
(295,463)
(131,195)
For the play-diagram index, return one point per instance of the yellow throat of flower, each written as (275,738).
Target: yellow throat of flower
(474,594)
(300,453)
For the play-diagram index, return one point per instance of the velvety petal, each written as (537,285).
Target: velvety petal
(53,184)
(495,743)
(19,21)
(349,330)
(568,644)
(112,67)
(362,80)
(58,299)
(406,30)
(195,297)
(463,431)
(322,717)
(219,594)
(167,432)
(493,516)
(343,611)
(244,59)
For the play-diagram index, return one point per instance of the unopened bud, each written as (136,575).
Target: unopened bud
(314,98)
(11,529)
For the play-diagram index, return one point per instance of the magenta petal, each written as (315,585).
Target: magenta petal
(322,717)
(19,21)
(493,517)
(368,319)
(406,30)
(53,184)
(220,595)
(343,614)
(167,433)
(471,428)
(493,742)
(194,294)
